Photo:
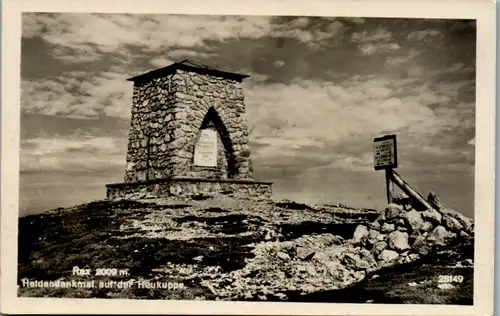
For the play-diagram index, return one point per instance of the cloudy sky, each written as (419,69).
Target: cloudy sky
(320,90)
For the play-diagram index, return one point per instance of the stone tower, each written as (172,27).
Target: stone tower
(188,133)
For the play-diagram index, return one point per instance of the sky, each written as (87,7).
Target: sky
(320,90)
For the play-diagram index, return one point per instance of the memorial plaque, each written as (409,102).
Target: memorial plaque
(384,152)
(205,152)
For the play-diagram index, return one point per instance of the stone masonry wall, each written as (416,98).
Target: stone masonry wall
(167,114)
(188,187)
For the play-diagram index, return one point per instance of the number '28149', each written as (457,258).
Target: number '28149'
(450,279)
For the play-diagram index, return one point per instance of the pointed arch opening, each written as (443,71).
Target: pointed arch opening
(225,161)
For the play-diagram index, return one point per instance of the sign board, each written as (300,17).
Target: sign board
(205,152)
(385,152)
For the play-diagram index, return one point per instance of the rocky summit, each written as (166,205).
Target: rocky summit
(224,248)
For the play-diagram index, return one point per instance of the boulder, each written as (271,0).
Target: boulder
(414,219)
(378,247)
(432,215)
(393,211)
(451,223)
(464,235)
(440,236)
(388,255)
(467,223)
(387,228)
(421,246)
(426,226)
(413,236)
(335,269)
(368,257)
(373,236)
(402,229)
(400,221)
(283,256)
(401,199)
(353,260)
(360,234)
(433,200)
(304,253)
(375,225)
(398,241)
(311,271)
(330,239)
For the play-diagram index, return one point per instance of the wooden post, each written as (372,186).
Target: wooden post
(406,188)
(388,184)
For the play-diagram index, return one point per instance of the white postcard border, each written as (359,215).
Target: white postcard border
(482,10)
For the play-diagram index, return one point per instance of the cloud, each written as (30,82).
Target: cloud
(403,59)
(424,34)
(373,42)
(82,37)
(319,115)
(111,33)
(377,35)
(372,48)
(312,37)
(161,62)
(177,54)
(279,63)
(78,94)
(71,153)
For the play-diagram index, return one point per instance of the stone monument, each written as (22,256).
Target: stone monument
(188,135)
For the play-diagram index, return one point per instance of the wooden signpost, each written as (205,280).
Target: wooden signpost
(385,157)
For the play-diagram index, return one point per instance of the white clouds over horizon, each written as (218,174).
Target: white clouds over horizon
(70,153)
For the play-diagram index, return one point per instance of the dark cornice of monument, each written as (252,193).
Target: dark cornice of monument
(187,65)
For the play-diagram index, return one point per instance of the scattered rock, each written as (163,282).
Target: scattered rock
(353,260)
(445,286)
(198,258)
(398,241)
(433,200)
(281,296)
(387,228)
(440,236)
(467,223)
(400,221)
(378,247)
(329,239)
(426,226)
(413,257)
(373,236)
(375,225)
(304,253)
(360,234)
(388,255)
(283,256)
(412,284)
(451,223)
(432,215)
(464,235)
(311,271)
(421,246)
(414,219)
(368,257)
(393,211)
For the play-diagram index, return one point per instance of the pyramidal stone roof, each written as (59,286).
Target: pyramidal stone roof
(187,65)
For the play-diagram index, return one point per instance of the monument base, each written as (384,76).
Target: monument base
(187,186)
